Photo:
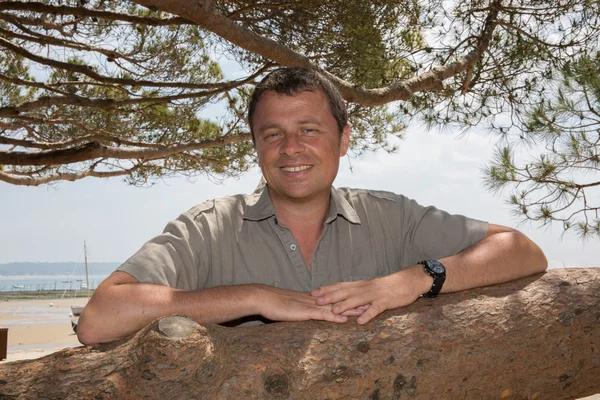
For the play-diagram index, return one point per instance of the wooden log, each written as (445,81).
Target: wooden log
(535,338)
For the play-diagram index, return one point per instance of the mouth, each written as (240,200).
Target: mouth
(297,168)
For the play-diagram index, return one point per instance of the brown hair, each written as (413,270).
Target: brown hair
(293,80)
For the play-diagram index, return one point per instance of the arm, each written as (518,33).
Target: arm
(121,306)
(504,255)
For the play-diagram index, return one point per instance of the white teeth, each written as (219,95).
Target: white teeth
(296,169)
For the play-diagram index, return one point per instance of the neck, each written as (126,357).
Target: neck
(306,220)
(302,214)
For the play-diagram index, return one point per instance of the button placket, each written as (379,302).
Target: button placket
(288,242)
(318,274)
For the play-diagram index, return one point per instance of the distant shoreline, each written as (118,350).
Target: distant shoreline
(43,294)
(57,268)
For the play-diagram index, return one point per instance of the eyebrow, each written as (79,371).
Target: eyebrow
(268,126)
(273,125)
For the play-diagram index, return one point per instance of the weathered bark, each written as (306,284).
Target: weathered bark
(91,150)
(535,338)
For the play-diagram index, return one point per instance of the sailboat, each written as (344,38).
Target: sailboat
(76,310)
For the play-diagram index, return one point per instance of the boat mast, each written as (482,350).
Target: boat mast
(87,280)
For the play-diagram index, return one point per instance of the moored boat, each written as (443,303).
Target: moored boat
(76,310)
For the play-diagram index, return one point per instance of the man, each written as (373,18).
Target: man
(299,249)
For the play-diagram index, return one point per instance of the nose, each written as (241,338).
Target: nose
(291,144)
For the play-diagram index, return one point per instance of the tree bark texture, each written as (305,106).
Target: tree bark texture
(534,338)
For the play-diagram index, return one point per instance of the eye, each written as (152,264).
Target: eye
(271,135)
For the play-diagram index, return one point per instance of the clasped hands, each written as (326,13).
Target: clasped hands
(363,299)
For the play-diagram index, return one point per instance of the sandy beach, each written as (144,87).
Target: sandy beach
(38,327)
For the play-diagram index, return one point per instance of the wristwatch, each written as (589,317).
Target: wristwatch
(437,271)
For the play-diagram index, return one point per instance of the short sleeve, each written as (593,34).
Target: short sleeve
(176,258)
(432,234)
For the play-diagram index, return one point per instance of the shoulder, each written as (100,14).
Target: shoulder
(386,206)
(368,196)
(229,205)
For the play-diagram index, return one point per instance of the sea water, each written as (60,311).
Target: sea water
(48,282)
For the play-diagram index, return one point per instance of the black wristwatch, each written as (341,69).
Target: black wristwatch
(437,271)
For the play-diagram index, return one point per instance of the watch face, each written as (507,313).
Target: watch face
(436,267)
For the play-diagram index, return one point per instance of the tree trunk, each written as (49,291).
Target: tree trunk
(535,338)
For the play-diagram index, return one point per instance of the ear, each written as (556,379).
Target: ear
(345,140)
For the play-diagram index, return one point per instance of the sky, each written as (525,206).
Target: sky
(50,223)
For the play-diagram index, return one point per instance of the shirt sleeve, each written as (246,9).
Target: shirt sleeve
(432,234)
(176,258)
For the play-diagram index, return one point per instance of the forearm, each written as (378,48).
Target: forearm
(121,306)
(120,310)
(501,257)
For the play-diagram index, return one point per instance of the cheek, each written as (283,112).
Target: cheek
(335,151)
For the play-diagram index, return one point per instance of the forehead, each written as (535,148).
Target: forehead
(282,96)
(272,104)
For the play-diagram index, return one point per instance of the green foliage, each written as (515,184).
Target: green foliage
(562,183)
(530,44)
(367,43)
(97,59)
(124,90)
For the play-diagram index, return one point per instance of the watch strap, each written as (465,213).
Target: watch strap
(439,277)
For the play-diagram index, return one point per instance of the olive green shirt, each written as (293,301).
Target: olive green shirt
(236,240)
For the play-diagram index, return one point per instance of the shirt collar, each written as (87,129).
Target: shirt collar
(259,206)
(338,205)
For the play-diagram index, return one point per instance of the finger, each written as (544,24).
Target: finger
(355,312)
(326,315)
(303,311)
(364,308)
(368,315)
(335,297)
(357,299)
(324,290)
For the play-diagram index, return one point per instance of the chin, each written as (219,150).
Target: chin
(305,194)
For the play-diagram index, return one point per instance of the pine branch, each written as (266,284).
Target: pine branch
(93,150)
(212,20)
(85,12)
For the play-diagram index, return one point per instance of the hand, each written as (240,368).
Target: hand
(376,295)
(289,305)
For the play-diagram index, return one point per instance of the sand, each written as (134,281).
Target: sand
(37,327)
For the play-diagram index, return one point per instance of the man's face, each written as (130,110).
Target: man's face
(298,144)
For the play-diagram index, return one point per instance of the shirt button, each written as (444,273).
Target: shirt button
(292,247)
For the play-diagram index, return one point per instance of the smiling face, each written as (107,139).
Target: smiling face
(299,145)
